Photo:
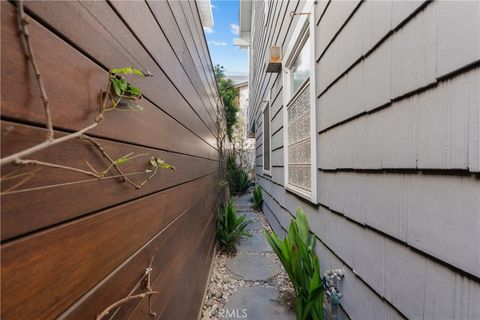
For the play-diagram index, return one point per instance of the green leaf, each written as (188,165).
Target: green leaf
(122,160)
(159,163)
(118,86)
(127,70)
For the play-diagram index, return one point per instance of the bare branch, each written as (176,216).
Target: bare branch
(21,182)
(112,162)
(45,144)
(23,22)
(58,166)
(122,301)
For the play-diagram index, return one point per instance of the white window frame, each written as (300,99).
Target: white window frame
(267,105)
(304,24)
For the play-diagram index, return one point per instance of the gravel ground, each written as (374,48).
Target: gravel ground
(222,284)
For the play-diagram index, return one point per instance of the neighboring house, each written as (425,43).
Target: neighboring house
(73,247)
(244,143)
(372,127)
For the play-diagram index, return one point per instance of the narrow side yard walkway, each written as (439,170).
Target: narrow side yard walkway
(252,284)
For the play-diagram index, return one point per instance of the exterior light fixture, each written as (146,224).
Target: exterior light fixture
(275,60)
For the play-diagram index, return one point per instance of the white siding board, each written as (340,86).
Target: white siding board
(405,279)
(399,148)
(349,42)
(377,71)
(277,157)
(449,208)
(357,296)
(403,9)
(458,26)
(414,54)
(277,139)
(385,202)
(443,122)
(335,16)
(377,22)
(431,130)
(335,106)
(327,68)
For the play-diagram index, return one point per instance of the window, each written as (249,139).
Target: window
(300,70)
(266,139)
(299,113)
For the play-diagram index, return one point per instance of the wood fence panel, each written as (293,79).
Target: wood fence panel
(72,244)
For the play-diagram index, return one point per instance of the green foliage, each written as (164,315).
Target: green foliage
(237,178)
(297,254)
(158,163)
(231,162)
(230,226)
(229,95)
(127,70)
(238,181)
(257,198)
(120,85)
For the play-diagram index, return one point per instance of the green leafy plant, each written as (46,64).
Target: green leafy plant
(297,254)
(231,227)
(257,198)
(122,89)
(238,181)
(229,96)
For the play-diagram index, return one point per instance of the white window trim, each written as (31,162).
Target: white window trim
(303,23)
(266,9)
(267,105)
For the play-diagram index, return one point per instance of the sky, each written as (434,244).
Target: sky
(220,38)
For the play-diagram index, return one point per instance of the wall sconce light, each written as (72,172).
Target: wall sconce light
(275,60)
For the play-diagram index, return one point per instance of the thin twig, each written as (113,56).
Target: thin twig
(45,144)
(107,156)
(57,166)
(148,287)
(64,184)
(10,176)
(20,183)
(122,301)
(149,177)
(25,35)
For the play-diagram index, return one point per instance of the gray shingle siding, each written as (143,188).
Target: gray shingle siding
(398,122)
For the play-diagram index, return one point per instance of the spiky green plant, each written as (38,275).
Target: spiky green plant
(238,181)
(297,254)
(231,227)
(257,198)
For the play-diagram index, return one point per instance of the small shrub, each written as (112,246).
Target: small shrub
(257,198)
(231,227)
(297,254)
(238,181)
(231,162)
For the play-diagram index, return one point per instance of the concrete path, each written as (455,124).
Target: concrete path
(255,263)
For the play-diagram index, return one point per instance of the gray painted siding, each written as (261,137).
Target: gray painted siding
(398,116)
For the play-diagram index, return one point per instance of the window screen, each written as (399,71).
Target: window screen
(299,142)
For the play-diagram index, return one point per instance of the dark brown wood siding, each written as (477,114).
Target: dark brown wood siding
(71,250)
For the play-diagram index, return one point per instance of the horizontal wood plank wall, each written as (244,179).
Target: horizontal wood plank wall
(398,118)
(69,250)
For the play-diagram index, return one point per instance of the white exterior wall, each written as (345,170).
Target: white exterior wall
(398,157)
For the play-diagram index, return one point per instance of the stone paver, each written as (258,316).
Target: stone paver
(256,303)
(254,226)
(250,215)
(255,299)
(253,267)
(256,243)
